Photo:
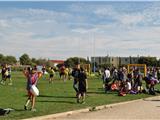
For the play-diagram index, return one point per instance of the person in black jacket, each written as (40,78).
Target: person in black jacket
(75,74)
(82,86)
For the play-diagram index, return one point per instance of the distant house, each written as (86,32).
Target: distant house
(56,62)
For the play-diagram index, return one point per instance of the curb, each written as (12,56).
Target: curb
(89,109)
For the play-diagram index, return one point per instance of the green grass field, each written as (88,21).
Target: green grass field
(54,98)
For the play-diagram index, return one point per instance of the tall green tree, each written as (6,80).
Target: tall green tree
(149,61)
(25,60)
(10,60)
(74,60)
(2,59)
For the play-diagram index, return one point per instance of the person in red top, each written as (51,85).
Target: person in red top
(32,79)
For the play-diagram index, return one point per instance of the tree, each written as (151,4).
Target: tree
(149,61)
(7,59)
(74,60)
(41,61)
(2,59)
(10,60)
(25,60)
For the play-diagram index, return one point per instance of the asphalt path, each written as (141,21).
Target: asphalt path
(144,109)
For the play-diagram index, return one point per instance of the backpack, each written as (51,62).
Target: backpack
(4,111)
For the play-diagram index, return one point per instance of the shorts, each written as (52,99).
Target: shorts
(8,76)
(29,93)
(51,76)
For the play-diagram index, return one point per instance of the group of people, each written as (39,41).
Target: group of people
(113,80)
(80,83)
(130,82)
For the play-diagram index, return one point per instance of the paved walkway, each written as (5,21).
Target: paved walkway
(146,109)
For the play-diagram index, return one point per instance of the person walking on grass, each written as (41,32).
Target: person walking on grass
(82,86)
(51,74)
(32,79)
(75,74)
(3,72)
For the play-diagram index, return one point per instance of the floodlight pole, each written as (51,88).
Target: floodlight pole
(94,54)
(79,51)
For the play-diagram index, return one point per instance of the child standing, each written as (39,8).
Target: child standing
(32,78)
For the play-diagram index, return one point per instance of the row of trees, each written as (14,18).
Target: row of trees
(26,60)
(7,59)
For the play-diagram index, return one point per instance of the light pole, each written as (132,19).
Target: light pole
(94,66)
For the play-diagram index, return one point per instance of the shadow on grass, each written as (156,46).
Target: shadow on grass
(57,101)
(95,92)
(19,110)
(50,96)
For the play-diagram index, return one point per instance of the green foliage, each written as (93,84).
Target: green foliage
(10,60)
(149,61)
(25,60)
(55,98)
(74,60)
(7,59)
(104,65)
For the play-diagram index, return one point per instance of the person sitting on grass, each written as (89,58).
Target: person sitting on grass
(150,84)
(32,79)
(122,89)
(82,86)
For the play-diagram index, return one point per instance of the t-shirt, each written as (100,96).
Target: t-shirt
(32,80)
(82,79)
(51,72)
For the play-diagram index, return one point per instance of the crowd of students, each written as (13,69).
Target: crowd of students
(130,82)
(114,79)
(33,74)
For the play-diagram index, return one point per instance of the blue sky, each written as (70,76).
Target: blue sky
(58,30)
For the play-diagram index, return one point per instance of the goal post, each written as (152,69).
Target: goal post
(87,68)
(142,67)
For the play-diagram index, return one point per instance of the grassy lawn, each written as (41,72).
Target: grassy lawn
(54,98)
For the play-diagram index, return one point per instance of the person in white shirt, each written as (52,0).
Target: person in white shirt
(106,79)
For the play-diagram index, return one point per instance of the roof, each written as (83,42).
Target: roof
(57,61)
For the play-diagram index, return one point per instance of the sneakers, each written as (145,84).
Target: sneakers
(83,102)
(25,108)
(33,110)
(3,83)
(9,83)
(78,101)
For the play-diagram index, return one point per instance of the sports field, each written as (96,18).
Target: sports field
(56,97)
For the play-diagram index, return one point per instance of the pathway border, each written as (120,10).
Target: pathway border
(89,109)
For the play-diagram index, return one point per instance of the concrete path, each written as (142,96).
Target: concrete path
(144,109)
(147,109)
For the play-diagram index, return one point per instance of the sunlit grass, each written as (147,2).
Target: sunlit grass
(54,98)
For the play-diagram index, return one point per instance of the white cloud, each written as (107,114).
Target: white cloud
(51,34)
